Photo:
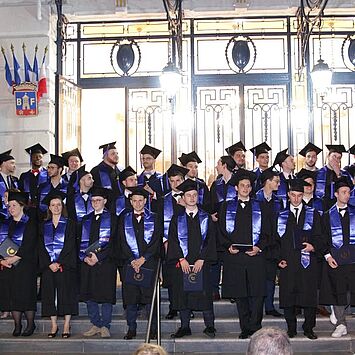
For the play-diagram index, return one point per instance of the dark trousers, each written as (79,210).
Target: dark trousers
(270,292)
(132,314)
(250,310)
(309,318)
(215,276)
(208,317)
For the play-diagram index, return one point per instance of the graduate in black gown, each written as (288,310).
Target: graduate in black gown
(300,238)
(18,287)
(30,180)
(140,236)
(237,152)
(192,249)
(73,160)
(7,169)
(261,156)
(310,153)
(338,281)
(58,262)
(171,204)
(98,263)
(271,205)
(127,178)
(245,232)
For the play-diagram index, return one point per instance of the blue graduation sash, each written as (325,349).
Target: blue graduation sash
(54,243)
(352,197)
(282,190)
(42,177)
(148,220)
(168,210)
(80,208)
(19,230)
(277,206)
(201,191)
(104,233)
(120,204)
(45,189)
(105,177)
(320,183)
(336,228)
(231,192)
(141,180)
(231,213)
(4,230)
(3,188)
(182,233)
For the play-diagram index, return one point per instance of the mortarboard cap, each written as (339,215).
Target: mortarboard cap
(188,185)
(242,174)
(260,149)
(268,174)
(229,161)
(138,190)
(297,185)
(305,174)
(57,159)
(338,148)
(281,157)
(81,172)
(37,148)
(100,191)
(108,146)
(177,170)
(18,196)
(235,147)
(192,156)
(55,193)
(5,156)
(310,147)
(341,182)
(352,149)
(351,170)
(127,172)
(74,152)
(147,149)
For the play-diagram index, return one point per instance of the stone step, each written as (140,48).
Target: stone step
(223,325)
(224,343)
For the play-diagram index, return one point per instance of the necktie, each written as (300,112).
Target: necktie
(296,214)
(342,211)
(242,203)
(97,216)
(9,182)
(191,214)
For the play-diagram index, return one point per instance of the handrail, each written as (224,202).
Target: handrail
(155,302)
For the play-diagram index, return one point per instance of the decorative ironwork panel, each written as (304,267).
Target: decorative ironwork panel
(266,118)
(149,122)
(217,125)
(333,122)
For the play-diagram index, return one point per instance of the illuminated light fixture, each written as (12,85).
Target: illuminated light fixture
(170,79)
(321,74)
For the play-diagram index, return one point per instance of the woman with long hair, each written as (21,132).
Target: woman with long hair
(18,270)
(57,261)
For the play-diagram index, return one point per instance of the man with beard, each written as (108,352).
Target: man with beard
(310,153)
(7,169)
(30,180)
(237,152)
(128,179)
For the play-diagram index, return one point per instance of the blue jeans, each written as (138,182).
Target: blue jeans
(103,320)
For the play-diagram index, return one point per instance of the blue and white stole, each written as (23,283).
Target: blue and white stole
(42,177)
(131,239)
(104,232)
(17,237)
(277,204)
(54,242)
(282,190)
(182,230)
(168,211)
(46,188)
(221,195)
(231,214)
(336,228)
(307,226)
(80,208)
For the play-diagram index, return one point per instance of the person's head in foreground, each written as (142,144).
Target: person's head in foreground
(269,341)
(150,349)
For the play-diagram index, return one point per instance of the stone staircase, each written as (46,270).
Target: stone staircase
(226,341)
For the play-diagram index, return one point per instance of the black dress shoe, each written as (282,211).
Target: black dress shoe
(273,313)
(244,335)
(17,331)
(291,333)
(181,332)
(29,331)
(192,315)
(153,335)
(171,315)
(233,300)
(130,334)
(310,335)
(210,332)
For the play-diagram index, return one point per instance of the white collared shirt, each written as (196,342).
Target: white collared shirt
(195,211)
(293,210)
(343,211)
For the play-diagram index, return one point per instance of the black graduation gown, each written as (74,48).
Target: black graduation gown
(298,285)
(19,283)
(63,282)
(337,282)
(154,181)
(132,294)
(205,204)
(98,282)
(198,301)
(33,185)
(243,275)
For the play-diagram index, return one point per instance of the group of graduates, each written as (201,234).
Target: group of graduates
(76,229)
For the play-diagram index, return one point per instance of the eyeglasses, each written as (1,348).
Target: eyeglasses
(94,200)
